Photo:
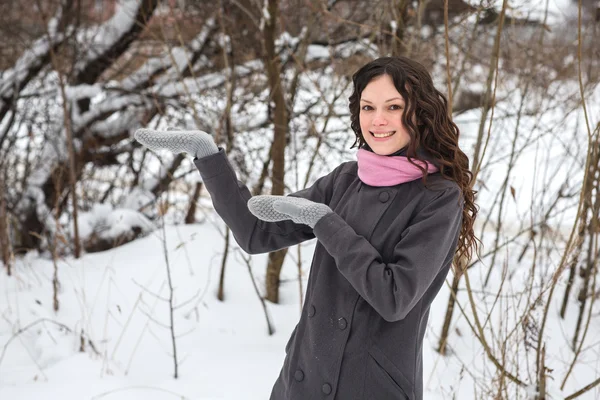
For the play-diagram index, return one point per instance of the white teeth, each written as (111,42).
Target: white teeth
(383,135)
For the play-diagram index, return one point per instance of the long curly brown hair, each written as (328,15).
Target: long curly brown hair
(430,127)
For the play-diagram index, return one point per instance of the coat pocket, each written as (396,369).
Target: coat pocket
(383,380)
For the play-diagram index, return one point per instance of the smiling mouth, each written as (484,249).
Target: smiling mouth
(383,135)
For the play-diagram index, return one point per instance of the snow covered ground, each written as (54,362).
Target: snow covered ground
(224,349)
(117,298)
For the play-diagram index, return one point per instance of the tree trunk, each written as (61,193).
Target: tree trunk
(54,240)
(274,265)
(541,394)
(449,312)
(273,65)
(190,217)
(221,292)
(587,205)
(4,232)
(400,13)
(71,160)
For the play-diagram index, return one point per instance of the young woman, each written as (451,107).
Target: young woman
(388,227)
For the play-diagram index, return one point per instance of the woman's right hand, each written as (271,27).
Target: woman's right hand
(196,143)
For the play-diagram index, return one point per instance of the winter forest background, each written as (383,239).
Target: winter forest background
(119,281)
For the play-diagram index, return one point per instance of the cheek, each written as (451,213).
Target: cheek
(363,119)
(399,119)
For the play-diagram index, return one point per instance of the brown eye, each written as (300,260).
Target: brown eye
(366,108)
(396,107)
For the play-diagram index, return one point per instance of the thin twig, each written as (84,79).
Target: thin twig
(32,324)
(171,292)
(262,300)
(447,44)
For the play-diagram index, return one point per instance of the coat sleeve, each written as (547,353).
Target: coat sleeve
(230,197)
(426,245)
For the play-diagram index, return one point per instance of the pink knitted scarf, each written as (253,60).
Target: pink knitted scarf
(378,170)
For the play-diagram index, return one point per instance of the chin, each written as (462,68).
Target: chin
(385,151)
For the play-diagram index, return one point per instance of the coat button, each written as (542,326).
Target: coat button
(312,311)
(326,388)
(342,324)
(384,196)
(299,375)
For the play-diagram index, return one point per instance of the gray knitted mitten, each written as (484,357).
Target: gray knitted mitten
(280,208)
(195,143)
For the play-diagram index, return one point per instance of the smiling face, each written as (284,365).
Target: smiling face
(381,108)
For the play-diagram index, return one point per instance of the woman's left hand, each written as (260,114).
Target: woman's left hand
(279,208)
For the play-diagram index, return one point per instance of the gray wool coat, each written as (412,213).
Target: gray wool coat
(380,260)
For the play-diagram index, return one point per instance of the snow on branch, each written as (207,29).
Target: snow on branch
(82,91)
(155,65)
(110,105)
(124,106)
(113,36)
(208,81)
(31,61)
(102,38)
(181,58)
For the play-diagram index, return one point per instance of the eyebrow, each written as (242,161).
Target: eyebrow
(387,101)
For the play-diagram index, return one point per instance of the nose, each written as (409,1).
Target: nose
(379,119)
